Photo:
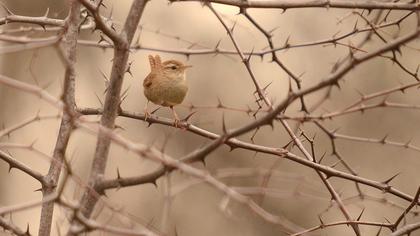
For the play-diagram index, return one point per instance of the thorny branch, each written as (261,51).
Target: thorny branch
(68,49)
(66,38)
(112,103)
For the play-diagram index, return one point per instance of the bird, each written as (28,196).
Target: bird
(166,84)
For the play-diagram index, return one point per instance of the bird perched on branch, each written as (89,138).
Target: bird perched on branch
(166,84)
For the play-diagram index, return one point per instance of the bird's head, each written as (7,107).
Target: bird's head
(171,68)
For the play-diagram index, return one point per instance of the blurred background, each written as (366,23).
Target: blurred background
(296,192)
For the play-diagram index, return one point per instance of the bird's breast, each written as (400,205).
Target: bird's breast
(167,91)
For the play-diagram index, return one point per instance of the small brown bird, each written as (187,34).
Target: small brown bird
(166,84)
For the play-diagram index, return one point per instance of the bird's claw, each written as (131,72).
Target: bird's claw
(147,115)
(176,123)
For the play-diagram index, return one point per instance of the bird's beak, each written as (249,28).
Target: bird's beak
(187,66)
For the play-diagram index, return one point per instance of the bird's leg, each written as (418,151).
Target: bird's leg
(176,122)
(146,112)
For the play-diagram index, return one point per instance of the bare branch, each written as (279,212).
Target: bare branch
(290,4)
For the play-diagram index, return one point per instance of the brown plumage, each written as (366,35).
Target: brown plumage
(166,83)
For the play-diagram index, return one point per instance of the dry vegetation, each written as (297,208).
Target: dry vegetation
(301,118)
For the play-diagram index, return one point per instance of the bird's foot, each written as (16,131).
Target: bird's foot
(147,115)
(177,123)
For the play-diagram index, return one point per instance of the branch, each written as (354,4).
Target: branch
(13,163)
(7,225)
(325,225)
(41,20)
(407,210)
(100,21)
(112,99)
(236,143)
(289,4)
(407,229)
(68,47)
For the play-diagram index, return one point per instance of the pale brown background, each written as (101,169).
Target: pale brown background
(195,211)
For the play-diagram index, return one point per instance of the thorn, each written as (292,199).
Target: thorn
(190,46)
(100,102)
(27,229)
(287,144)
(46,12)
(265,88)
(337,84)
(203,160)
(191,107)
(118,173)
(254,134)
(290,86)
(103,39)
(322,157)
(270,32)
(155,110)
(391,178)
(154,182)
(106,80)
(383,140)
(216,48)
(271,124)
(219,103)
(224,124)
(247,60)
(128,70)
(321,221)
(333,132)
(38,190)
(286,43)
(407,144)
(232,147)
(113,27)
(398,49)
(8,12)
(31,146)
(379,231)
(248,110)
(335,35)
(361,213)
(188,116)
(327,175)
(335,66)
(101,3)
(355,25)
(124,95)
(233,27)
(255,154)
(336,163)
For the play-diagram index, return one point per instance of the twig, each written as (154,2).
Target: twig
(122,43)
(69,45)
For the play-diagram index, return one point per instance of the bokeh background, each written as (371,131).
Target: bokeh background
(296,191)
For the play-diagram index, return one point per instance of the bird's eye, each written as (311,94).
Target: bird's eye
(173,67)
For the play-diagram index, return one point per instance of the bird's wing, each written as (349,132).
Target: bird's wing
(148,80)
